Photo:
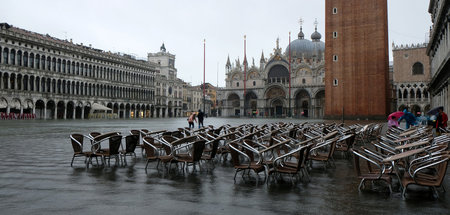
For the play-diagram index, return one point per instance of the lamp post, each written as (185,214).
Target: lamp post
(290,114)
(204,63)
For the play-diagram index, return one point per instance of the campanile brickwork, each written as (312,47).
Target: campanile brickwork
(356,59)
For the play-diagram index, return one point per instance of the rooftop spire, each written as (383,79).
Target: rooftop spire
(301,36)
(263,60)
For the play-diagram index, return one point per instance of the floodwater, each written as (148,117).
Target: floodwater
(36,178)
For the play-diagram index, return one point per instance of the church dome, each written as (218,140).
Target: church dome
(308,49)
(300,47)
(316,36)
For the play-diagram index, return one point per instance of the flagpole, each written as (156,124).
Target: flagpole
(290,113)
(245,72)
(204,63)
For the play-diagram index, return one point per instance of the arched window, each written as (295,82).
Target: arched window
(54,65)
(5,55)
(278,73)
(25,59)
(58,65)
(405,94)
(399,94)
(419,94)
(19,58)
(49,63)
(412,94)
(237,84)
(12,56)
(417,68)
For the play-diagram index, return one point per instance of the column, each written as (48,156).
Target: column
(55,115)
(45,111)
(9,81)
(1,81)
(82,112)
(65,111)
(7,110)
(74,111)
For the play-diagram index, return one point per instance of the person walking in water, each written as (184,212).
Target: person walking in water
(200,117)
(191,120)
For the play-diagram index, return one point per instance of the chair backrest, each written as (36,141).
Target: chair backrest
(234,148)
(199,146)
(94,134)
(177,134)
(150,149)
(134,131)
(131,141)
(114,144)
(215,146)
(302,156)
(77,142)
(169,139)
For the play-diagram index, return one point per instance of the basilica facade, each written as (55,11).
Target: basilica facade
(289,83)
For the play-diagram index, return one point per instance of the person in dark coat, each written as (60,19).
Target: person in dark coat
(200,117)
(409,118)
(442,118)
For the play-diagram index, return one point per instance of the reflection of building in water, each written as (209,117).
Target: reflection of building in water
(51,78)
(267,86)
(411,77)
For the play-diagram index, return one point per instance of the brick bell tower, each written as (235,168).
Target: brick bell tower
(356,59)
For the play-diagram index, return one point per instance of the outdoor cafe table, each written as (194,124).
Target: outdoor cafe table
(405,139)
(403,155)
(407,133)
(273,146)
(411,145)
(155,132)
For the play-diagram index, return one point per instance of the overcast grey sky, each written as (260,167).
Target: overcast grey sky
(139,27)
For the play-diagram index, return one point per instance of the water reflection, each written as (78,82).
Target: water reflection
(36,177)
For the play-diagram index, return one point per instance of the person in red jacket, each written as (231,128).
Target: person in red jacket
(442,119)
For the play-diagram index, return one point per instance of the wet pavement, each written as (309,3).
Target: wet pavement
(36,178)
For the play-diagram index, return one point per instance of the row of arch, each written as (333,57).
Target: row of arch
(10,56)
(415,94)
(275,103)
(415,108)
(33,83)
(53,109)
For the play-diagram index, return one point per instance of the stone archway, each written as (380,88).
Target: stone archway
(250,104)
(40,109)
(275,100)
(51,108)
(234,102)
(70,110)
(60,107)
(302,103)
(319,104)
